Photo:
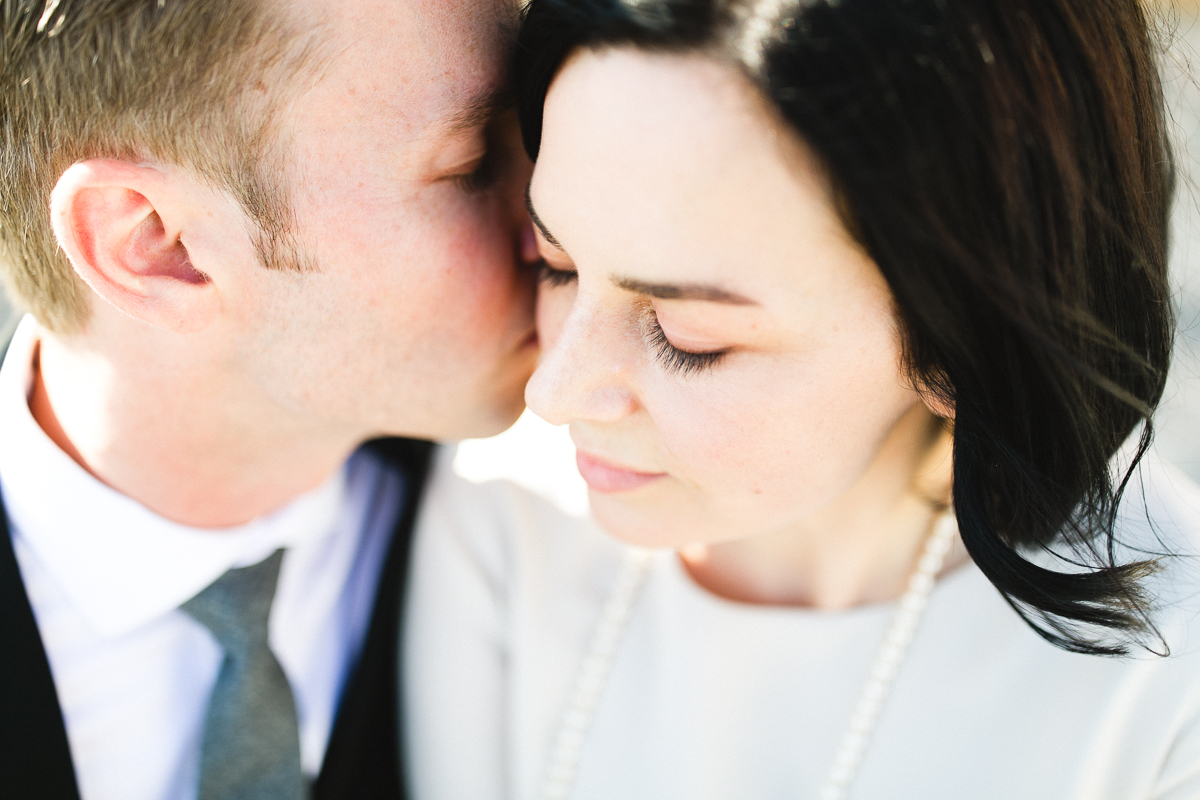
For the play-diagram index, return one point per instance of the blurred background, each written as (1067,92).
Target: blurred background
(1178,439)
(541,457)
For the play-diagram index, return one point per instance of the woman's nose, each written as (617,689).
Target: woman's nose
(583,374)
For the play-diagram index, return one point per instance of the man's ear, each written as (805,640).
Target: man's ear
(121,227)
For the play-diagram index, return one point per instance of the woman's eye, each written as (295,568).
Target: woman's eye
(549,276)
(683,362)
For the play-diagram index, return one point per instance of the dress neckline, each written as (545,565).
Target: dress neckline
(669,565)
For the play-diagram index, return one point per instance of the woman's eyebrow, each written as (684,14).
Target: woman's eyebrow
(663,291)
(684,291)
(546,234)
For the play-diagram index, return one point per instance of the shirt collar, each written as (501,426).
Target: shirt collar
(119,563)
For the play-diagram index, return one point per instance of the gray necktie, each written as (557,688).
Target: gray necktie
(251,738)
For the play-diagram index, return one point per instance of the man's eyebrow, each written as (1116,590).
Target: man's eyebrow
(480,110)
(546,234)
(684,291)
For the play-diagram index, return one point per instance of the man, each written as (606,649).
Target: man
(252,236)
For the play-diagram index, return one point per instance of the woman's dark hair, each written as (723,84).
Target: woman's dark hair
(1005,164)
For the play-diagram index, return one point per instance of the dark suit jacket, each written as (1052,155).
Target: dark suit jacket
(363,760)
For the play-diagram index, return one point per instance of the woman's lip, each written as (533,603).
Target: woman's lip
(601,476)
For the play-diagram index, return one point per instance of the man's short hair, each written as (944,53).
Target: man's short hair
(188,82)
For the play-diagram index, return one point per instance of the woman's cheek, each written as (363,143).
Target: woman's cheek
(709,437)
(750,446)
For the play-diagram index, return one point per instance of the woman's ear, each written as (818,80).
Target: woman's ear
(931,397)
(120,225)
(934,476)
(937,406)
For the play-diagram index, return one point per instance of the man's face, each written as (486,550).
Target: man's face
(417,319)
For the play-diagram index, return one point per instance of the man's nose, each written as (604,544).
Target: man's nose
(517,168)
(527,243)
(585,374)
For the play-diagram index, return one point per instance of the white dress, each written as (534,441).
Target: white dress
(715,699)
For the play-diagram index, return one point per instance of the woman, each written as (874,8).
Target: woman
(850,306)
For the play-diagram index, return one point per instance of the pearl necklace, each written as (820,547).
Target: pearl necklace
(614,619)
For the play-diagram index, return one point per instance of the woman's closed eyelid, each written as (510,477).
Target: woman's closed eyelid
(675,359)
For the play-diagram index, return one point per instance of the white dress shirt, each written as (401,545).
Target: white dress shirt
(105,577)
(710,699)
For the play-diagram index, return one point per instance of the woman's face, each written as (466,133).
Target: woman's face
(727,357)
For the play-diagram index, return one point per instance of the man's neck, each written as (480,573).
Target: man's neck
(183,444)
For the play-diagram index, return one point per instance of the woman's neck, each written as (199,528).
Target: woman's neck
(858,550)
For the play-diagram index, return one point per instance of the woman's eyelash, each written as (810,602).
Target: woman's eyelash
(682,362)
(555,277)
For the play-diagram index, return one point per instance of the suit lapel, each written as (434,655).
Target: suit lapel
(363,760)
(35,757)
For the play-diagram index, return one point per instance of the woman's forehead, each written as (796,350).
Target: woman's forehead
(657,111)
(668,168)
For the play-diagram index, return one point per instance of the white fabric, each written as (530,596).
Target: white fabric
(105,577)
(715,699)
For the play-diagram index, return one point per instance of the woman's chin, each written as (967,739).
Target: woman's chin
(640,521)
